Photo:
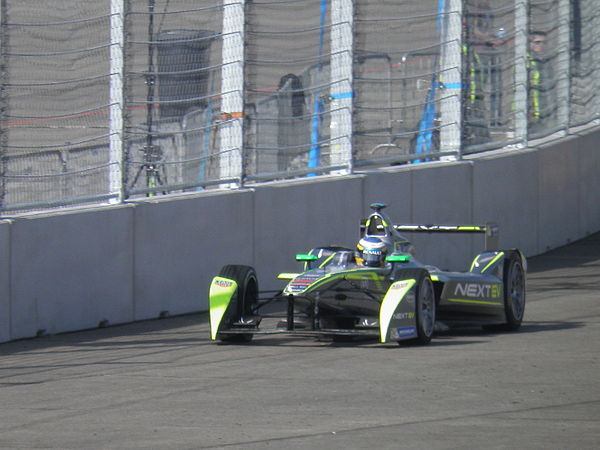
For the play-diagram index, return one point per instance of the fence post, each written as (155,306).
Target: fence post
(520,67)
(117,99)
(3,101)
(232,91)
(341,93)
(450,48)
(563,83)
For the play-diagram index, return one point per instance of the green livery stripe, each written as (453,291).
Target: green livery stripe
(390,303)
(287,276)
(221,291)
(473,264)
(470,228)
(475,302)
(351,275)
(493,261)
(490,264)
(329,258)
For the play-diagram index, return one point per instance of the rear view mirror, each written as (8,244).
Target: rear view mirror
(398,258)
(306,258)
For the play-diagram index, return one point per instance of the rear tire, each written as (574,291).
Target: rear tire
(424,311)
(244,299)
(514,293)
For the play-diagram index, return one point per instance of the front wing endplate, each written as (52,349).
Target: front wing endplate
(390,305)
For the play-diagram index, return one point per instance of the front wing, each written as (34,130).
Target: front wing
(394,318)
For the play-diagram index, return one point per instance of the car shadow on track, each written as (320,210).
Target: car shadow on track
(176,331)
(452,337)
(526,327)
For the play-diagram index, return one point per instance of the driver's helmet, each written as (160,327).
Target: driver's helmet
(371,251)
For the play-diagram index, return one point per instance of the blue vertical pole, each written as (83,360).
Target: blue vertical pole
(428,116)
(314,155)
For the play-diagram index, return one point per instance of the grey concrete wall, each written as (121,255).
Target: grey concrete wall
(5,334)
(440,193)
(293,217)
(505,191)
(77,269)
(181,243)
(71,270)
(558,192)
(588,181)
(446,200)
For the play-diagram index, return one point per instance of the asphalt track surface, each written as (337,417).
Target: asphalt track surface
(163,385)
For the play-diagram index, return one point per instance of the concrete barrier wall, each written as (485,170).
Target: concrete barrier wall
(506,191)
(180,244)
(558,195)
(71,271)
(588,182)
(100,266)
(412,198)
(5,334)
(293,217)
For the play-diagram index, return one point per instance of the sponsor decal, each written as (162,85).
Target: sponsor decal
(476,290)
(404,315)
(296,287)
(306,279)
(495,291)
(400,284)
(223,283)
(303,281)
(404,332)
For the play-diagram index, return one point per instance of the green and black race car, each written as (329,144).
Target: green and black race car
(378,289)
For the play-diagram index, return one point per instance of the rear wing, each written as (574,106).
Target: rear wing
(490,230)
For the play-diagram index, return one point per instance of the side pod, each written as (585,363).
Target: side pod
(219,297)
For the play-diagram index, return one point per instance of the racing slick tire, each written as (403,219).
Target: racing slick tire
(244,299)
(424,311)
(514,295)
(514,292)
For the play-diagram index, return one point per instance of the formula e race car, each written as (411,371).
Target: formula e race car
(377,290)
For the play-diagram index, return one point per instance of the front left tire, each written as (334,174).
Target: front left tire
(244,299)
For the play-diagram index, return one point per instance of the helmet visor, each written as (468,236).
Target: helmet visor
(372,258)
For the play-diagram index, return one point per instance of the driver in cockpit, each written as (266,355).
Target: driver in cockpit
(371,252)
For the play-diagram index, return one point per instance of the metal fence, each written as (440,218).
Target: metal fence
(113,100)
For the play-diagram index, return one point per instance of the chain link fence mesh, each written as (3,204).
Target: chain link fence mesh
(55,115)
(173,60)
(55,99)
